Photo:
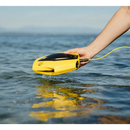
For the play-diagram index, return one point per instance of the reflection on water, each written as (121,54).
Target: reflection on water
(56,99)
(62,101)
(110,119)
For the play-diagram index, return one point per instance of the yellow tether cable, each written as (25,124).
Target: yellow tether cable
(109,52)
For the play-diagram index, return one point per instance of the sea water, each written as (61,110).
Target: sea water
(97,93)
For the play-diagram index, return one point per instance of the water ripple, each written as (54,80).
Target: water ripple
(96,93)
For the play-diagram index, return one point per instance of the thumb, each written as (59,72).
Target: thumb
(71,50)
(66,52)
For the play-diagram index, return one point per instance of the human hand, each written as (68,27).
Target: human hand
(83,53)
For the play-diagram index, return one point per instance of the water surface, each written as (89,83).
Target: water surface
(97,93)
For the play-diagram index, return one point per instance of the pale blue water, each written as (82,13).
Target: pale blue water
(96,93)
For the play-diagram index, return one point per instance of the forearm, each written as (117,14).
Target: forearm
(119,24)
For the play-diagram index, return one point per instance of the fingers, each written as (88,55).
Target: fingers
(83,63)
(71,51)
(81,52)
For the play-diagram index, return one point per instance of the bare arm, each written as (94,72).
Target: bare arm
(118,24)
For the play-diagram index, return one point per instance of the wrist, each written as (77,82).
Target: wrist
(91,51)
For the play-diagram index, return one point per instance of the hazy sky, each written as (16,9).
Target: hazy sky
(56,16)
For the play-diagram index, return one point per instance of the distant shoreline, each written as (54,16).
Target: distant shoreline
(53,34)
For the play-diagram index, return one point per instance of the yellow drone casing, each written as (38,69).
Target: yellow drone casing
(60,63)
(56,64)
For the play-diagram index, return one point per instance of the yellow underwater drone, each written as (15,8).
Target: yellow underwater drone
(56,64)
(60,63)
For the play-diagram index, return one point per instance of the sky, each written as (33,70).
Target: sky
(14,17)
